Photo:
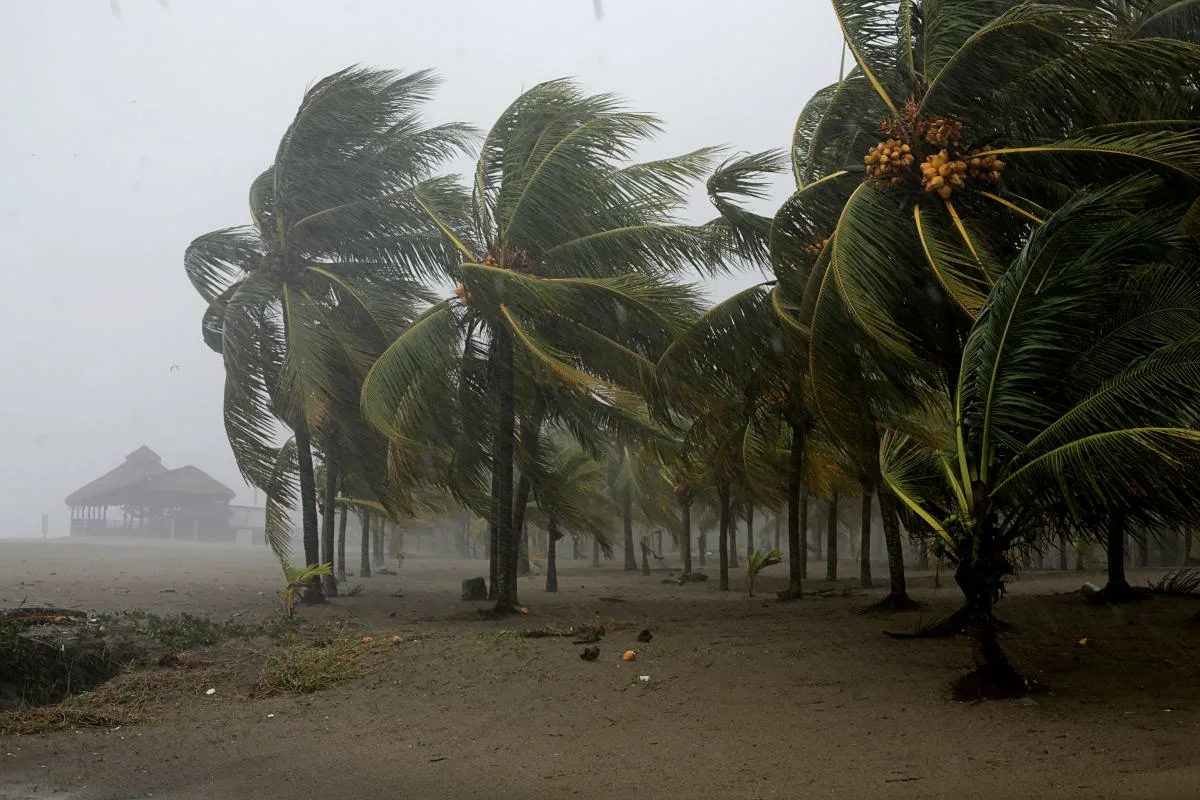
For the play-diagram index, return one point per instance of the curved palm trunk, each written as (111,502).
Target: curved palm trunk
(897,597)
(685,536)
(308,510)
(364,563)
(749,530)
(627,525)
(595,552)
(723,541)
(507,539)
(328,519)
(531,427)
(341,544)
(980,577)
(831,537)
(797,514)
(552,537)
(864,548)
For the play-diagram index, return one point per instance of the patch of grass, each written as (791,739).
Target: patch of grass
(1180,581)
(181,631)
(282,627)
(303,668)
(127,700)
(502,635)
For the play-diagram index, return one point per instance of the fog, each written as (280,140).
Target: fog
(132,126)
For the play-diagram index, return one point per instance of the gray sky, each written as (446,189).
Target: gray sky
(127,136)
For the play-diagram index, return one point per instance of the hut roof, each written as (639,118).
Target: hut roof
(144,480)
(187,480)
(139,465)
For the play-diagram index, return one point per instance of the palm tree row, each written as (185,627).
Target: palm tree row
(979,304)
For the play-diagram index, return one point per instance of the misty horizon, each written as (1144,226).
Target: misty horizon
(134,132)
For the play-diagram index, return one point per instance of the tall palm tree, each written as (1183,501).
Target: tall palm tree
(1076,393)
(906,212)
(328,267)
(566,252)
(973,119)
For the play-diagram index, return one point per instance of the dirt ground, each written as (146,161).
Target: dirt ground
(746,697)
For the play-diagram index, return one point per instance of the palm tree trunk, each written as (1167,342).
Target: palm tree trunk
(1185,548)
(864,547)
(364,563)
(507,539)
(778,532)
(341,544)
(723,542)
(796,515)
(733,550)
(804,535)
(308,510)
(627,524)
(749,530)
(378,553)
(831,536)
(328,519)
(685,537)
(531,428)
(702,547)
(897,597)
(595,551)
(1118,587)
(492,542)
(575,552)
(523,553)
(552,537)
(1143,543)
(980,581)
(1062,552)
(646,556)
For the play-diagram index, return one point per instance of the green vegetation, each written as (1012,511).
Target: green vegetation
(756,563)
(304,667)
(982,309)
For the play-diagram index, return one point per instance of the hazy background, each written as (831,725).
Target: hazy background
(127,133)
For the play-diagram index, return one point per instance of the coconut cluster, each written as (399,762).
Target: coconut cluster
(889,160)
(984,168)
(945,171)
(814,250)
(513,260)
(942,173)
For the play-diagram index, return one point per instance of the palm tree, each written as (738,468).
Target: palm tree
(328,266)
(942,96)
(1076,395)
(564,295)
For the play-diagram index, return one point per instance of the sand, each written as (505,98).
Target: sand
(746,697)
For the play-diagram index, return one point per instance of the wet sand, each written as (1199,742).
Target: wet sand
(747,697)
